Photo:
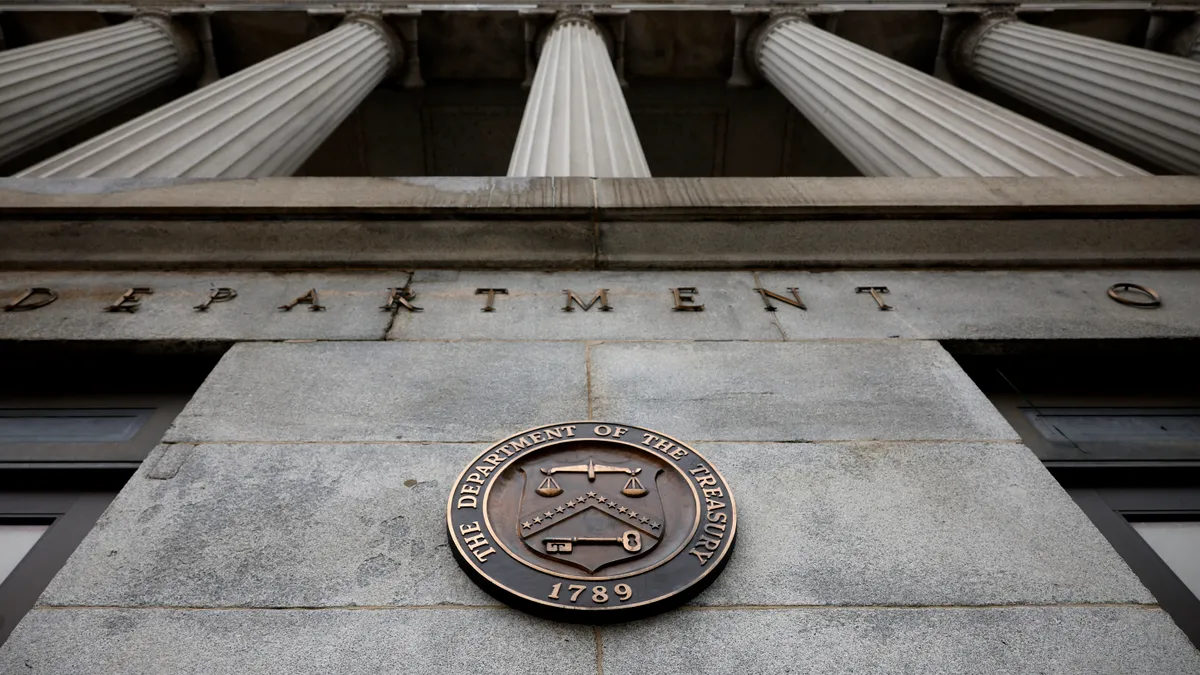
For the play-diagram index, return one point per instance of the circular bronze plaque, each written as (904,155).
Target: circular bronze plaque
(591,521)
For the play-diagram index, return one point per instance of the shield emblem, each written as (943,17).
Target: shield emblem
(591,515)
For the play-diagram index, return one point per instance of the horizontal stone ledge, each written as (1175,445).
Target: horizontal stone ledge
(325,6)
(286,244)
(581,223)
(604,199)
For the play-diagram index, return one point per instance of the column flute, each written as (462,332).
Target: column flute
(263,121)
(49,88)
(1145,102)
(892,120)
(576,122)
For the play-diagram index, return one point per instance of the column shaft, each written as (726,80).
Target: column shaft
(576,122)
(263,121)
(892,120)
(51,87)
(1143,101)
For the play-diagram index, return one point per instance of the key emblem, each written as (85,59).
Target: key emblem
(631,540)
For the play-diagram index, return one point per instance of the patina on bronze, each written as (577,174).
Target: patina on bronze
(591,521)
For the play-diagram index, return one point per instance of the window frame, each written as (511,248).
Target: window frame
(1110,508)
(1013,407)
(166,407)
(73,514)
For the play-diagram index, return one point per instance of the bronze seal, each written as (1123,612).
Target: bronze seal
(591,521)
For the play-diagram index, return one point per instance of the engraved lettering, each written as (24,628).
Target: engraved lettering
(476,541)
(216,295)
(685,298)
(875,292)
(129,301)
(706,479)
(491,293)
(570,430)
(400,297)
(606,430)
(309,298)
(619,432)
(554,433)
(1150,297)
(601,297)
(536,437)
(520,443)
(468,502)
(714,529)
(494,459)
(767,295)
(22,303)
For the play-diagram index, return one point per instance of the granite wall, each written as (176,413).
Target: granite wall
(292,520)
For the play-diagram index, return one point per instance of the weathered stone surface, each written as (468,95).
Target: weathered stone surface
(279,525)
(362,525)
(642,307)
(413,195)
(908,524)
(351,303)
(602,223)
(884,390)
(1063,640)
(84,641)
(364,391)
(987,304)
(957,305)
(300,243)
(650,242)
(939,305)
(618,197)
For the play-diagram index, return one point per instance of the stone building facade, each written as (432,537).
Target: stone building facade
(920,278)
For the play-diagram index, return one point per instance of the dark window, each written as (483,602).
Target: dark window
(74,425)
(1119,426)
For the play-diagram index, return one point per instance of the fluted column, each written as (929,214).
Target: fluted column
(892,120)
(1187,42)
(51,87)
(1143,101)
(576,122)
(263,121)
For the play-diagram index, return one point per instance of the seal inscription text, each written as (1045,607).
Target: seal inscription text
(591,521)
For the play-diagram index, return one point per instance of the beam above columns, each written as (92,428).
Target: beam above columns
(263,121)
(49,88)
(1145,102)
(892,120)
